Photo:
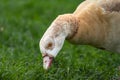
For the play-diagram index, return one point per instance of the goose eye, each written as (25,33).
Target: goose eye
(49,46)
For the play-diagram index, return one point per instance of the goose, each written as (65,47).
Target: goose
(94,22)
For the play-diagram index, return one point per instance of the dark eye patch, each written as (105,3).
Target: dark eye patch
(49,46)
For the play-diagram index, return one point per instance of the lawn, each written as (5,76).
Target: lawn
(22,24)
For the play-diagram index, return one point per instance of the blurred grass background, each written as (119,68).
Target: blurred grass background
(22,24)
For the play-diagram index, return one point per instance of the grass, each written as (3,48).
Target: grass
(22,24)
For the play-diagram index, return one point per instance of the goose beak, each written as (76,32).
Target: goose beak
(47,61)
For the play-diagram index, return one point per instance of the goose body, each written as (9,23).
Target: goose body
(94,22)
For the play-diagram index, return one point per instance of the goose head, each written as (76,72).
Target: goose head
(53,39)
